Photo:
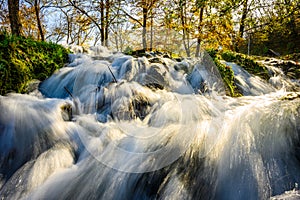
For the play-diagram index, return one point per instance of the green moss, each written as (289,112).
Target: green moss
(23,59)
(247,63)
(226,73)
(294,57)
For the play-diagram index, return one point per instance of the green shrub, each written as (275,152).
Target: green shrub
(228,56)
(23,59)
(128,50)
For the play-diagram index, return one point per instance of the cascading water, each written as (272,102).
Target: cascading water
(248,84)
(164,130)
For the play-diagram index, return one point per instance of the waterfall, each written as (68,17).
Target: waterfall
(249,84)
(164,130)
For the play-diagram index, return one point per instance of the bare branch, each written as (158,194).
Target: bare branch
(86,14)
(131,17)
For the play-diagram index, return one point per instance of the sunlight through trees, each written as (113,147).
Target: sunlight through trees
(252,26)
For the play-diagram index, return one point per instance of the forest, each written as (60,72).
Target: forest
(182,27)
(149,99)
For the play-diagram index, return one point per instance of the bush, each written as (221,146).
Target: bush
(23,59)
(128,50)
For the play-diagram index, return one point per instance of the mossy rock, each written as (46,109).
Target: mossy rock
(295,57)
(226,73)
(291,69)
(23,59)
(247,63)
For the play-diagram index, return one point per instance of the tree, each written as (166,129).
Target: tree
(179,26)
(200,5)
(186,25)
(144,9)
(15,24)
(105,9)
(243,18)
(4,19)
(37,10)
(271,24)
(97,11)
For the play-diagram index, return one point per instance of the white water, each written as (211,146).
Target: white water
(131,140)
(248,84)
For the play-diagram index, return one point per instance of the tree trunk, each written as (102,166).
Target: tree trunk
(144,39)
(117,41)
(69,29)
(184,29)
(73,3)
(37,14)
(107,13)
(244,15)
(102,23)
(151,34)
(197,54)
(15,24)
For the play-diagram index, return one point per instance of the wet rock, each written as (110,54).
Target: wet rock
(290,68)
(182,66)
(139,53)
(291,96)
(66,112)
(122,109)
(157,60)
(178,59)
(33,85)
(137,106)
(291,195)
(141,106)
(156,77)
